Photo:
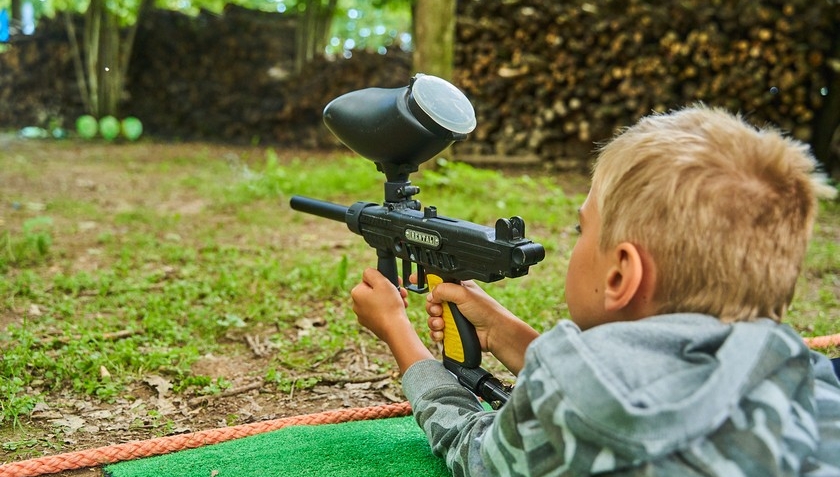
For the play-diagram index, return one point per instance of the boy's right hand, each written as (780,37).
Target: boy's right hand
(499,331)
(473,302)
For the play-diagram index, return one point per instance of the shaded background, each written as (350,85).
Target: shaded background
(547,78)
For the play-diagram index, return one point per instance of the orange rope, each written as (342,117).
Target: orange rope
(162,445)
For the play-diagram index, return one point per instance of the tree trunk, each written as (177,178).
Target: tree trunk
(434,37)
(101,58)
(827,121)
(109,67)
(128,44)
(313,27)
(90,44)
(434,45)
(76,53)
(15,15)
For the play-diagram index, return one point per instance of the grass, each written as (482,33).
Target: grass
(173,286)
(105,284)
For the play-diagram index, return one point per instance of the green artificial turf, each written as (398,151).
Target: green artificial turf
(377,448)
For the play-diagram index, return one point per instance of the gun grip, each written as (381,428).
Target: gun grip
(387,265)
(460,340)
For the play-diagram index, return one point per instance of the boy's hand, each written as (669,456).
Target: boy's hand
(475,304)
(380,307)
(378,304)
(499,331)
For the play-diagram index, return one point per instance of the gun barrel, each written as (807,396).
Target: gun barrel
(321,208)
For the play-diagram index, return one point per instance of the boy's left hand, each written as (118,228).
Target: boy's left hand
(380,307)
(378,304)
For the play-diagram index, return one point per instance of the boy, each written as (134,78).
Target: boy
(675,362)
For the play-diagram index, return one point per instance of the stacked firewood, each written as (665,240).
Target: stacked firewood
(300,121)
(212,76)
(548,78)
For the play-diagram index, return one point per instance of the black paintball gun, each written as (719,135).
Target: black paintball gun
(398,129)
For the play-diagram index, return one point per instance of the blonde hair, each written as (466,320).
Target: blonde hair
(725,210)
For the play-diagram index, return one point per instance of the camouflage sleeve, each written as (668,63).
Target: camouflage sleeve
(473,441)
(451,416)
(826,460)
(550,429)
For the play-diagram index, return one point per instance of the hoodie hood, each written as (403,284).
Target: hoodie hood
(647,388)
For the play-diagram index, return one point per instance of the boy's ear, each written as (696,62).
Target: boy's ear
(624,277)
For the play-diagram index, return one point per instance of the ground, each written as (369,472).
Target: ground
(88,423)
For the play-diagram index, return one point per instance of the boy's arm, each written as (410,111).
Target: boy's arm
(827,394)
(479,442)
(453,420)
(450,415)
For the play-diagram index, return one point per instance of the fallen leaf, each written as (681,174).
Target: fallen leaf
(47,414)
(70,422)
(161,385)
(309,323)
(101,414)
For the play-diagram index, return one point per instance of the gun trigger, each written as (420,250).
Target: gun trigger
(421,278)
(420,286)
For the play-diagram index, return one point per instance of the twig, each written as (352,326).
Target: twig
(114,336)
(350,380)
(227,393)
(365,361)
(328,359)
(261,348)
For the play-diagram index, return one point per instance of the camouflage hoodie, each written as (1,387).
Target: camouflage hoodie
(672,395)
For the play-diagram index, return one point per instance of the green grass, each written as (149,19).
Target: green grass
(176,284)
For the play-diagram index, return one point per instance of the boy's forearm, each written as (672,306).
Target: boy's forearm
(510,341)
(406,346)
(450,415)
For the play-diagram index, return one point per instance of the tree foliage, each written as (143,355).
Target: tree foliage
(374,25)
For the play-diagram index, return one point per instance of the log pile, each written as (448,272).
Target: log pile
(324,80)
(549,78)
(186,79)
(38,88)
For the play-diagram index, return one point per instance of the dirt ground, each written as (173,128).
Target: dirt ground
(87,423)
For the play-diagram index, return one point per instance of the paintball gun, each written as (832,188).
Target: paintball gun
(398,129)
